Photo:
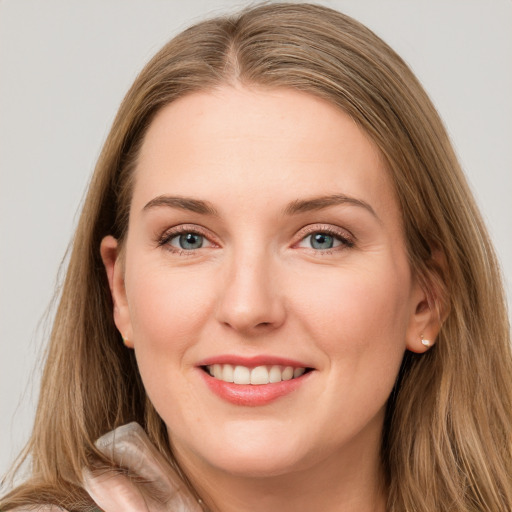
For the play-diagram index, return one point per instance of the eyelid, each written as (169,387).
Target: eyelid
(348,240)
(342,234)
(180,229)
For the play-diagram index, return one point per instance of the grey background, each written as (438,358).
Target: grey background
(64,68)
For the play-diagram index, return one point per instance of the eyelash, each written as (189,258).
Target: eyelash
(167,236)
(346,240)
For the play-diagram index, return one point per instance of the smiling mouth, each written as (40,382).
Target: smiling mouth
(258,375)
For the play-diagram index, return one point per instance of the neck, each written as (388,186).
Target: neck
(348,480)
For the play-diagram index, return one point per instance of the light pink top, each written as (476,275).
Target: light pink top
(153,486)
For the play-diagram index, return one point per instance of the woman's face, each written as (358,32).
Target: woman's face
(264,233)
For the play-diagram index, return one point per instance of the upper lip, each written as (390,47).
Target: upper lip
(253,361)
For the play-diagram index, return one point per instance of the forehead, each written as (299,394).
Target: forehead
(272,145)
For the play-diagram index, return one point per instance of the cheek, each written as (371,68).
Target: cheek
(359,321)
(357,307)
(168,312)
(166,305)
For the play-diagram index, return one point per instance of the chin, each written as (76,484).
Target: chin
(257,465)
(247,452)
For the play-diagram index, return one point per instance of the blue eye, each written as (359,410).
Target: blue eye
(187,241)
(185,238)
(322,241)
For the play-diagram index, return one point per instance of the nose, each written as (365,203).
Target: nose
(250,301)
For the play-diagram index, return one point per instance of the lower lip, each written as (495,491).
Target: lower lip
(251,395)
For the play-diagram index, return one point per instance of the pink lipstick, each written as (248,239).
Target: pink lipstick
(253,381)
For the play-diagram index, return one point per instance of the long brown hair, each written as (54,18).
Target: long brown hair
(447,438)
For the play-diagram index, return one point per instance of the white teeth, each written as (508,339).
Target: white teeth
(217,371)
(275,374)
(256,376)
(287,373)
(242,375)
(227,373)
(298,372)
(259,375)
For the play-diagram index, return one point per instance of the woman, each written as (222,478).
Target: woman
(280,274)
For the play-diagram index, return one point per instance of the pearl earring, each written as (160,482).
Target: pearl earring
(425,342)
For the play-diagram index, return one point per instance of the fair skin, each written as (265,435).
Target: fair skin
(238,265)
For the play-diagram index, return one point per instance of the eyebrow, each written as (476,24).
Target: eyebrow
(318,203)
(295,207)
(182,203)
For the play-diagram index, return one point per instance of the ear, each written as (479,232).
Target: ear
(114,266)
(426,317)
